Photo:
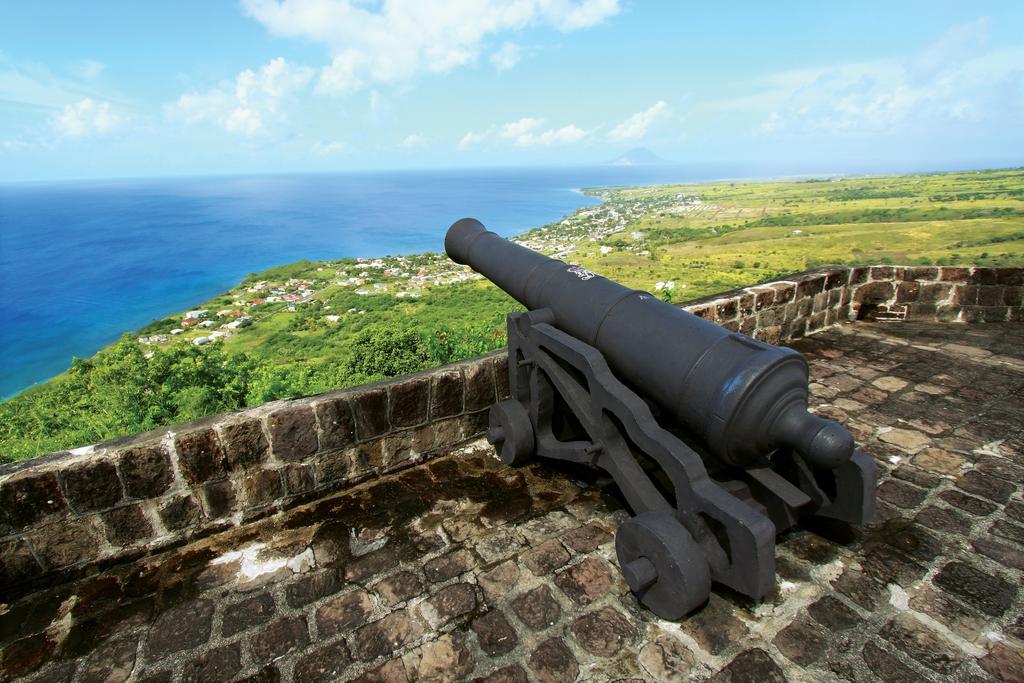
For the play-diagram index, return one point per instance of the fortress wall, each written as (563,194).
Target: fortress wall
(71,513)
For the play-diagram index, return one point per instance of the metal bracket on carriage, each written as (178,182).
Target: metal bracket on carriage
(691,530)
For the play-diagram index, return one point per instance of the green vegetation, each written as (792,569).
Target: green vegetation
(309,327)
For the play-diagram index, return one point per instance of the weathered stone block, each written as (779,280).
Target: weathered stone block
(907,292)
(1004,662)
(66,544)
(801,642)
(448,566)
(399,587)
(922,644)
(410,402)
(261,487)
(145,470)
(450,603)
(385,636)
(982,276)
(833,614)
(180,628)
(292,432)
(499,581)
(323,664)
(218,664)
(29,497)
(501,385)
(112,660)
(312,587)
(883,273)
(344,613)
(180,512)
(554,662)
(218,499)
(545,558)
(126,526)
(966,295)
(974,506)
(537,608)
(446,395)
(406,446)
(279,638)
(886,666)
(715,627)
(480,392)
(245,444)
(92,485)
(299,479)
(837,277)
(444,659)
(992,595)
(809,285)
(586,538)
(586,582)
(200,457)
(954,274)
(337,422)
(603,632)
(990,295)
(247,614)
(982,485)
(370,408)
(726,310)
(17,563)
(874,293)
(495,635)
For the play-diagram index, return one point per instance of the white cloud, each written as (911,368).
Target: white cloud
(472,138)
(637,125)
(86,117)
(250,103)
(950,81)
(527,132)
(327,148)
(413,140)
(89,69)
(506,56)
(394,40)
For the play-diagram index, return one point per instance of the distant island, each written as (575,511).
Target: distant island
(313,326)
(639,156)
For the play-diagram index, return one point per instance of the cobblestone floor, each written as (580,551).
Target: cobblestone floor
(464,569)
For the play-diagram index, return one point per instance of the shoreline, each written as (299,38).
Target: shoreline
(598,193)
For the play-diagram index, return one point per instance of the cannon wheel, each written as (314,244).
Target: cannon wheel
(663,565)
(511,432)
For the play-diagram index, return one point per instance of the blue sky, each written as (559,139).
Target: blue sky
(123,89)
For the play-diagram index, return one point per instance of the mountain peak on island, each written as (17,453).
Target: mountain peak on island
(638,156)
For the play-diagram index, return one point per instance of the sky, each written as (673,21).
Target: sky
(109,88)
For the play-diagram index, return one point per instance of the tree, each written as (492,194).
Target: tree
(380,350)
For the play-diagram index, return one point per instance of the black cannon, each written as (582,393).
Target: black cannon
(705,431)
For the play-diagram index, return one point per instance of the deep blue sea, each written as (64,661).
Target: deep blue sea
(83,262)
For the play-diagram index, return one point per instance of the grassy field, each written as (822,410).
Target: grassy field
(349,321)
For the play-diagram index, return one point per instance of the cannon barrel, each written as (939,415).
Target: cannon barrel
(743,398)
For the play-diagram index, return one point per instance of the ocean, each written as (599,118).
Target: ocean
(83,262)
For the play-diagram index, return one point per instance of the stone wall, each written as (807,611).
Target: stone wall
(68,513)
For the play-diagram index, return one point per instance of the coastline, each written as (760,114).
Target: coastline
(596,193)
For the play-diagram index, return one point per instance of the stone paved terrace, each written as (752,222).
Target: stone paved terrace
(463,569)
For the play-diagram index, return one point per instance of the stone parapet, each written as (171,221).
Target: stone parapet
(805,303)
(65,514)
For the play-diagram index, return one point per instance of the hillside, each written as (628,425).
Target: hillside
(308,327)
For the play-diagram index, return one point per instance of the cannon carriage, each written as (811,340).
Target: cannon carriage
(705,432)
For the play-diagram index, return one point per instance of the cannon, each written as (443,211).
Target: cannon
(705,431)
